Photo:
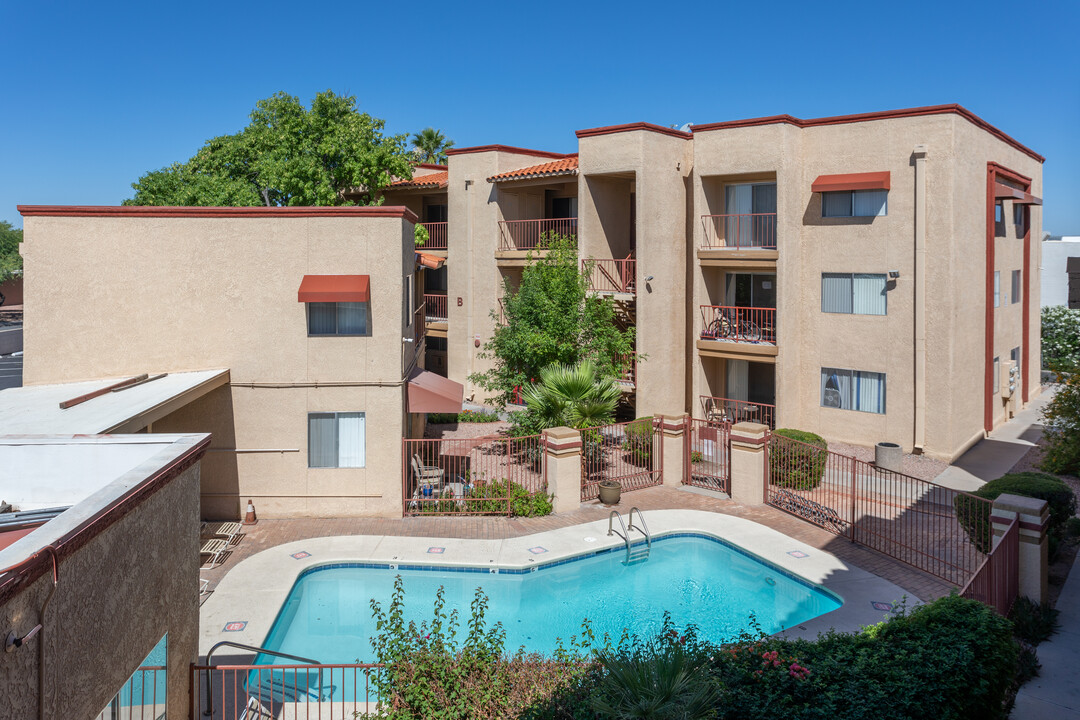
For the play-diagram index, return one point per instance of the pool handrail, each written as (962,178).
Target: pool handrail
(209,711)
(644,529)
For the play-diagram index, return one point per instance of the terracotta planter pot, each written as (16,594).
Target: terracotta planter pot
(610,492)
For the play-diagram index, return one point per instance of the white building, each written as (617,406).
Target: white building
(1056,252)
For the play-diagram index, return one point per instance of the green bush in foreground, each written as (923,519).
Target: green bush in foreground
(801,465)
(486,498)
(465,416)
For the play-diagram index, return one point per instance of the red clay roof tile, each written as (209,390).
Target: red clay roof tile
(566,166)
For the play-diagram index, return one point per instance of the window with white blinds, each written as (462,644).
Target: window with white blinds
(855,203)
(341,318)
(854,293)
(336,440)
(1015,286)
(853,390)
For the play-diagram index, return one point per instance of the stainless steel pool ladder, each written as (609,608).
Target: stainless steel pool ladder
(631,554)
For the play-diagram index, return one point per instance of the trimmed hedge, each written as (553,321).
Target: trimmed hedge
(466,416)
(797,466)
(1039,485)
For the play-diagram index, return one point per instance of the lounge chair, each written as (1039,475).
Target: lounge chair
(228,530)
(213,548)
(427,474)
(278,688)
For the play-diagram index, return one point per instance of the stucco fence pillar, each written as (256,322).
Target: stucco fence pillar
(748,462)
(673,438)
(1034,517)
(563,448)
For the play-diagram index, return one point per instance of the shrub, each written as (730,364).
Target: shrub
(1060,338)
(1061,420)
(466,416)
(1072,527)
(1032,622)
(975,516)
(797,465)
(638,443)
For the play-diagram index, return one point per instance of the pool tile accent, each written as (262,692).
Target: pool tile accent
(797,554)
(235,626)
(537,550)
(882,606)
(436,550)
(300,555)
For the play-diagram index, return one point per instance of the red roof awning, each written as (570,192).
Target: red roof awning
(1005,192)
(334,288)
(431,393)
(430,261)
(852,181)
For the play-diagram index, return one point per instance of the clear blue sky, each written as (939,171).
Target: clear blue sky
(95,94)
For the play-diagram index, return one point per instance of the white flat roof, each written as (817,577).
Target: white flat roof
(35,409)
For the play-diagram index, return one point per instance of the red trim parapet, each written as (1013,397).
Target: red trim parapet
(162,211)
(631,127)
(507,149)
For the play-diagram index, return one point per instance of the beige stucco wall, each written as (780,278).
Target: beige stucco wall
(659,166)
(169,294)
(116,597)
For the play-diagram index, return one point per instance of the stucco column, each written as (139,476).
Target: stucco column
(673,437)
(748,462)
(1034,515)
(919,155)
(563,448)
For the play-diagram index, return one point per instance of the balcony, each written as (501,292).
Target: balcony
(419,328)
(518,238)
(744,239)
(627,381)
(731,331)
(435,309)
(726,410)
(437,236)
(611,276)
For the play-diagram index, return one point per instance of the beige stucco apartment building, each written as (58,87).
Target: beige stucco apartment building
(313,313)
(865,277)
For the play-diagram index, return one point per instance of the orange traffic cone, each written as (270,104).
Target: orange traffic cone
(249,518)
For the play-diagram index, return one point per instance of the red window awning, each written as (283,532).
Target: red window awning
(852,181)
(1018,196)
(431,393)
(334,288)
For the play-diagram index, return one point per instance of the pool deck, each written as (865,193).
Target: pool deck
(253,582)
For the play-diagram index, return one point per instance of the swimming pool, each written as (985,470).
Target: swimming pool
(698,579)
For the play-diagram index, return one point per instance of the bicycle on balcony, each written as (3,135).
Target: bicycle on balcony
(741,329)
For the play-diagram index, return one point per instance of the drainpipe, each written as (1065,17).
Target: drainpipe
(919,154)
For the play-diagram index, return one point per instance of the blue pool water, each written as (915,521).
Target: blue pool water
(699,580)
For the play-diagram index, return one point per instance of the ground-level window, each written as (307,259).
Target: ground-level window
(855,203)
(339,318)
(1015,286)
(853,293)
(336,439)
(853,390)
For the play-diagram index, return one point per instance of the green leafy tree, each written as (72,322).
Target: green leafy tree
(575,396)
(10,259)
(1061,339)
(1061,420)
(330,154)
(430,146)
(552,319)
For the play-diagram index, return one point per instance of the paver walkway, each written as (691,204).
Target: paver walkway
(995,455)
(270,533)
(1056,692)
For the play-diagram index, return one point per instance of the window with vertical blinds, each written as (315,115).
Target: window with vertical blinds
(855,203)
(1015,286)
(854,293)
(336,440)
(853,390)
(341,318)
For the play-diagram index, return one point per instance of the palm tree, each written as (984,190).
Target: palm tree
(430,146)
(572,395)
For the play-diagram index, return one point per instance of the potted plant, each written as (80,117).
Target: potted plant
(610,492)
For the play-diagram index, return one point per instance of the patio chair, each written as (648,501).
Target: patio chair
(716,412)
(276,689)
(228,530)
(213,548)
(429,474)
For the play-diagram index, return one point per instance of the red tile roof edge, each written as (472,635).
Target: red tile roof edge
(569,166)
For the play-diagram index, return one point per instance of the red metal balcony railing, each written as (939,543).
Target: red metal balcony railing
(437,235)
(435,307)
(419,327)
(754,230)
(533,234)
(629,375)
(738,324)
(609,275)
(719,409)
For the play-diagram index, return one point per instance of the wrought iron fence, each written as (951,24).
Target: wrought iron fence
(936,529)
(533,234)
(435,308)
(738,324)
(997,581)
(437,236)
(299,692)
(471,476)
(612,276)
(708,454)
(630,453)
(751,230)
(719,409)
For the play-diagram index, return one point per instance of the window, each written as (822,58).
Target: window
(855,203)
(1014,355)
(999,213)
(343,318)
(336,440)
(997,375)
(407,294)
(997,288)
(853,390)
(1015,286)
(853,293)
(758,201)
(1018,216)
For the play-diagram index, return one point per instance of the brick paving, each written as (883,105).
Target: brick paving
(273,532)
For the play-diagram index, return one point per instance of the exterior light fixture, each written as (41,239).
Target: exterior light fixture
(649,278)
(894,274)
